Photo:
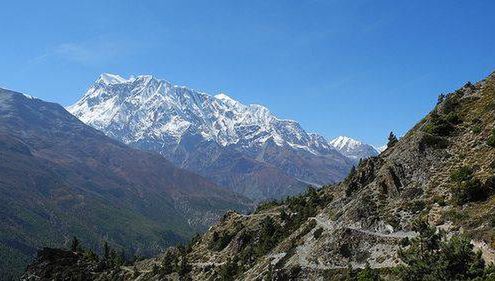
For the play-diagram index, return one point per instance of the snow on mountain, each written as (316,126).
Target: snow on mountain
(145,107)
(380,149)
(352,148)
(108,78)
(244,147)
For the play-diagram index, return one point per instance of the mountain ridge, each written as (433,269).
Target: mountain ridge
(181,124)
(60,177)
(428,194)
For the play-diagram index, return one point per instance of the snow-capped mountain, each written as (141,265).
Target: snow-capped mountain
(216,136)
(147,108)
(352,148)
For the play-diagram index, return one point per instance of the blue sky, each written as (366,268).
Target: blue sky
(359,68)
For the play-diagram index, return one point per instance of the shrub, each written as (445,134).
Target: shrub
(468,188)
(317,233)
(219,242)
(269,235)
(491,139)
(229,270)
(135,272)
(455,216)
(451,102)
(431,256)
(416,206)
(368,274)
(266,205)
(476,129)
(433,141)
(183,267)
(469,191)
(90,255)
(345,250)
(489,185)
(453,118)
(195,239)
(294,271)
(461,174)
(438,125)
(404,242)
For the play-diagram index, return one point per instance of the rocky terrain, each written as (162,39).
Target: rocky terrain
(441,172)
(60,177)
(243,147)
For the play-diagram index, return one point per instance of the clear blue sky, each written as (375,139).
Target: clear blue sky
(360,69)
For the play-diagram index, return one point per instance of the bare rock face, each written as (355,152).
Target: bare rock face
(441,170)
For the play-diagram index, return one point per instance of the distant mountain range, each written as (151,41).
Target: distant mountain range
(60,177)
(243,147)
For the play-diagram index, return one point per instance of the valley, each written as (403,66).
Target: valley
(432,189)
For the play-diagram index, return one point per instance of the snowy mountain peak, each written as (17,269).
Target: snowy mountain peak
(223,96)
(344,141)
(111,79)
(116,80)
(244,147)
(144,107)
(352,148)
(228,100)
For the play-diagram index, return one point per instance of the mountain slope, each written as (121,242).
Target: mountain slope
(60,177)
(182,124)
(441,172)
(353,149)
(365,218)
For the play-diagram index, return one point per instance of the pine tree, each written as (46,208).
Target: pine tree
(155,269)
(441,98)
(184,266)
(352,172)
(283,215)
(75,245)
(106,251)
(392,139)
(136,272)
(169,263)
(119,259)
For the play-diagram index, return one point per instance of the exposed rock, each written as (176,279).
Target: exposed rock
(367,217)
